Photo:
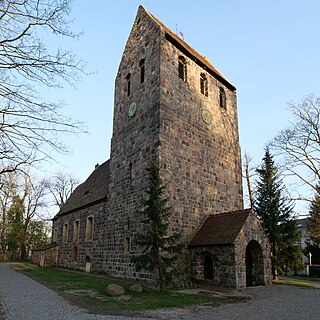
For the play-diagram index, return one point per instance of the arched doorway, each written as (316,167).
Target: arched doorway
(42,259)
(208,267)
(88,264)
(254,264)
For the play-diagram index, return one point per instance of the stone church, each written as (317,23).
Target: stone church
(171,106)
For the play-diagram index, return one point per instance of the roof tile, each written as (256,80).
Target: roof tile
(220,229)
(95,188)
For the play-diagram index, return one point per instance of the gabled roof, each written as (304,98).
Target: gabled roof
(220,229)
(95,188)
(191,53)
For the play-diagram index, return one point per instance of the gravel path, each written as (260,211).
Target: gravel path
(268,303)
(22,298)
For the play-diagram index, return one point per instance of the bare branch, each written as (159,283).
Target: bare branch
(31,127)
(61,186)
(299,145)
(249,172)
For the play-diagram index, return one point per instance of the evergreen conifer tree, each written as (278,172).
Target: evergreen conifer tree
(160,250)
(275,214)
(314,219)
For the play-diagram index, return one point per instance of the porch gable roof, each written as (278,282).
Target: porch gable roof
(220,229)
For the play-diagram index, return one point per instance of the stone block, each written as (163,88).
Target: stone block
(136,288)
(114,290)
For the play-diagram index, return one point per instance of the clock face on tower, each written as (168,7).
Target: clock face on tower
(132,109)
(206,116)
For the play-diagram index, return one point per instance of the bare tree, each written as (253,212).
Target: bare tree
(61,186)
(299,145)
(31,193)
(33,197)
(30,126)
(248,173)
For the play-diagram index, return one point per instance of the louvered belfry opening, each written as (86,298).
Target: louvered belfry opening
(203,84)
(182,68)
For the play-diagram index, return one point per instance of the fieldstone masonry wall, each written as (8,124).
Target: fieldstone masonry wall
(45,257)
(201,160)
(160,119)
(230,262)
(252,231)
(223,259)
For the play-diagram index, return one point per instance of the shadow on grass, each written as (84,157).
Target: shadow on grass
(88,292)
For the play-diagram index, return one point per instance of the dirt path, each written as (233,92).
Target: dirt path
(277,302)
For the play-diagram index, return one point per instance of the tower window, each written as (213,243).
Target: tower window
(89,228)
(128,84)
(222,98)
(141,64)
(182,68)
(203,84)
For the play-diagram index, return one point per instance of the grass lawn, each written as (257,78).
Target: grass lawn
(293,283)
(87,291)
(305,278)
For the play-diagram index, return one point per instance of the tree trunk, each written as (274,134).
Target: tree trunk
(247,177)
(23,252)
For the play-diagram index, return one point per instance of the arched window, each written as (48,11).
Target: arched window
(182,68)
(141,65)
(127,244)
(203,84)
(222,98)
(89,228)
(76,229)
(128,84)
(65,233)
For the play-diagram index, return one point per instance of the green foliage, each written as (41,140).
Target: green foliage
(313,226)
(37,234)
(290,252)
(275,213)
(160,251)
(16,234)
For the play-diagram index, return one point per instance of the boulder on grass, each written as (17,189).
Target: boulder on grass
(136,288)
(114,290)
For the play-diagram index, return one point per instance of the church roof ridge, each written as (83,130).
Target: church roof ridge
(203,60)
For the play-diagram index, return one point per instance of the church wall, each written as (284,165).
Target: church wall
(201,161)
(135,139)
(74,252)
(252,230)
(223,259)
(166,120)
(46,257)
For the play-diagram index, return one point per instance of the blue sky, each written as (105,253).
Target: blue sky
(268,49)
